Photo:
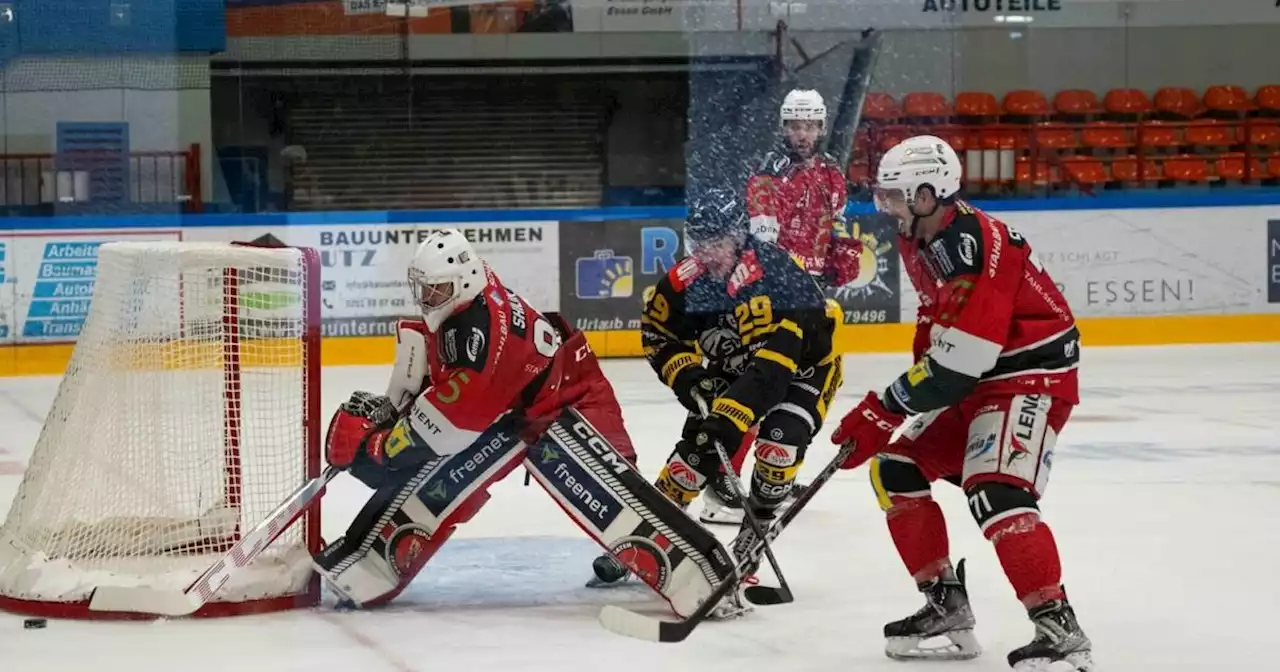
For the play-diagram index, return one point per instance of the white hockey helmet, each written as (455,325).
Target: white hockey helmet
(803,105)
(916,162)
(445,274)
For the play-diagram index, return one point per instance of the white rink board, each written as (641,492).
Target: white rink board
(1183,261)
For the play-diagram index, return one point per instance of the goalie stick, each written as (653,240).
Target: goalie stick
(630,624)
(147,600)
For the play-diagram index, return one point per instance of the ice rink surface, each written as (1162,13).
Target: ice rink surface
(1165,500)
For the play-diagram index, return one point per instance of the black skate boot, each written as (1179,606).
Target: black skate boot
(1058,638)
(946,614)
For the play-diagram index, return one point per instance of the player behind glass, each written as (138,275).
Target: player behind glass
(994,381)
(798,195)
(480,385)
(741,335)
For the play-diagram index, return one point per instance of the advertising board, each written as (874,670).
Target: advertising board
(364,288)
(1184,261)
(47,280)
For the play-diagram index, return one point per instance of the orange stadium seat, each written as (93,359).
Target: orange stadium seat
(1084,171)
(1076,101)
(1125,169)
(1268,98)
(1157,134)
(956,136)
(925,104)
(1211,133)
(1127,101)
(1230,166)
(1044,175)
(978,104)
(1186,168)
(1025,102)
(1058,138)
(1264,133)
(892,136)
(1273,167)
(1227,98)
(1177,100)
(1106,135)
(880,107)
(1003,138)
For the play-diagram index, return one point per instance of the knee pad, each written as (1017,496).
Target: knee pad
(992,503)
(895,479)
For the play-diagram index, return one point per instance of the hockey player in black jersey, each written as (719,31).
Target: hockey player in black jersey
(743,337)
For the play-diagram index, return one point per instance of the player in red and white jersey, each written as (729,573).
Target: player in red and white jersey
(482,384)
(993,384)
(796,199)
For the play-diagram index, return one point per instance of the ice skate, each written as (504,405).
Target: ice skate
(1059,645)
(607,572)
(719,506)
(945,614)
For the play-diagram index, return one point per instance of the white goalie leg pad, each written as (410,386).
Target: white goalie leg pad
(615,505)
(403,525)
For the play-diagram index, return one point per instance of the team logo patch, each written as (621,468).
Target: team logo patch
(645,558)
(406,549)
(774,455)
(474,343)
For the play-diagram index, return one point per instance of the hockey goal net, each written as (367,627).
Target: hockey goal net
(189,410)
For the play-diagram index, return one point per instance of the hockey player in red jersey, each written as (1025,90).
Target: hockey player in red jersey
(797,197)
(993,384)
(482,384)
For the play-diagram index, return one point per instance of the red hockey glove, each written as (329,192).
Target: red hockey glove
(844,260)
(869,427)
(360,426)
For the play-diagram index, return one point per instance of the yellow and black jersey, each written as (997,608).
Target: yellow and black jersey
(761,326)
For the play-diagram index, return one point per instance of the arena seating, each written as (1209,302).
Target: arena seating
(1029,141)
(466,147)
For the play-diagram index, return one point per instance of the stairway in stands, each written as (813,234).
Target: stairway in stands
(467,145)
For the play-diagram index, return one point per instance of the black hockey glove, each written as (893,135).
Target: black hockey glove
(695,389)
(717,428)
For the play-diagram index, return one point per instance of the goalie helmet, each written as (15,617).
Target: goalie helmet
(803,105)
(445,275)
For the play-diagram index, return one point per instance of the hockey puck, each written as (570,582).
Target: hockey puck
(34,623)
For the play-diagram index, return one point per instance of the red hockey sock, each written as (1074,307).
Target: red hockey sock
(1029,556)
(740,455)
(919,533)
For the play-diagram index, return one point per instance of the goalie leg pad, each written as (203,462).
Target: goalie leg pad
(407,521)
(617,507)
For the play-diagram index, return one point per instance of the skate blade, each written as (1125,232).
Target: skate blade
(961,645)
(716,518)
(1080,661)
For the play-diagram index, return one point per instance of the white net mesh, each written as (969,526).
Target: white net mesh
(180,423)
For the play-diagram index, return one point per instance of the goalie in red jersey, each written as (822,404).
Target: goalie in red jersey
(993,384)
(482,384)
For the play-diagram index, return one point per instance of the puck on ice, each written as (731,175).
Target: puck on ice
(34,623)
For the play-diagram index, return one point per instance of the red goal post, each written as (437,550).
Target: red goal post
(190,408)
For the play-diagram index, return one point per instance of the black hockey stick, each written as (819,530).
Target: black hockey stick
(639,626)
(783,591)
(768,595)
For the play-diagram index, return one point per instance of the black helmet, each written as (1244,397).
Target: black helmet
(714,214)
